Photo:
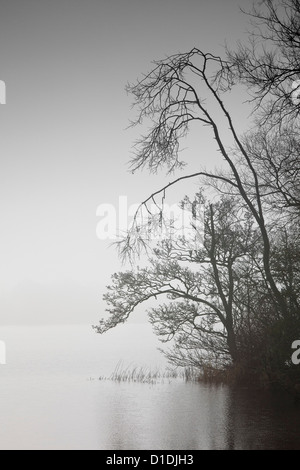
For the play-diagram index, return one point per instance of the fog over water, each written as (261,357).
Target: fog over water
(63,154)
(51,398)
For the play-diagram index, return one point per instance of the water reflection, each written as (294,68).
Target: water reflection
(193,416)
(47,401)
(262,420)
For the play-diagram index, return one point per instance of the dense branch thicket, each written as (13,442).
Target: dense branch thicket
(207,288)
(270,63)
(234,299)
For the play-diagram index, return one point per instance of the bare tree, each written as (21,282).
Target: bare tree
(191,88)
(276,157)
(286,265)
(205,287)
(269,64)
(225,297)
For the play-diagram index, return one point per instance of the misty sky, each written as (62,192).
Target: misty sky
(64,143)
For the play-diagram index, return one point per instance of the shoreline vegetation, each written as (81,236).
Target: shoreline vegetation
(147,375)
(223,284)
(231,376)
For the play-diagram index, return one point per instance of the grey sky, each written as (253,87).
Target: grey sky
(64,146)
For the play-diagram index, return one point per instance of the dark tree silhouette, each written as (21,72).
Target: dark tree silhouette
(241,287)
(184,89)
(207,288)
(270,63)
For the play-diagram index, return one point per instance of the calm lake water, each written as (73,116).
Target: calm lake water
(51,398)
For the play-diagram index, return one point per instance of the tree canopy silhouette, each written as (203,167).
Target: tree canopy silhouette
(237,293)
